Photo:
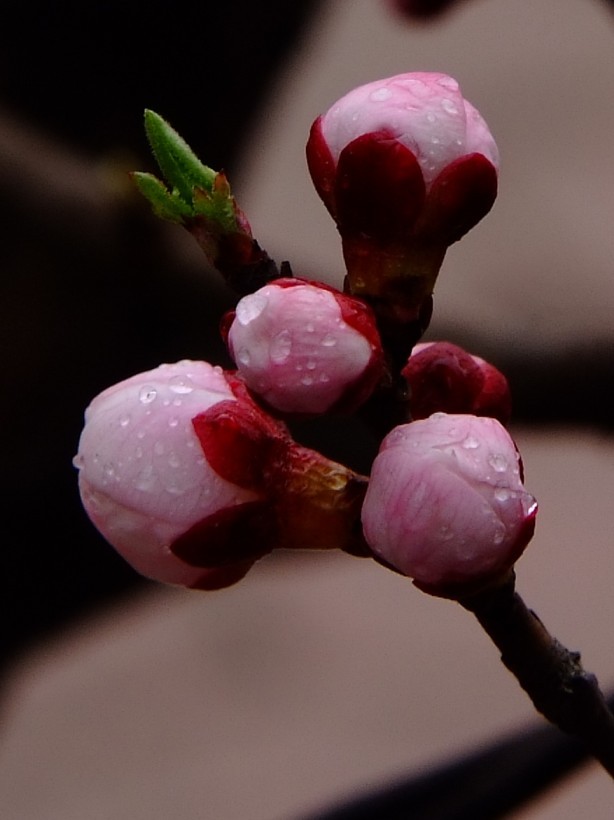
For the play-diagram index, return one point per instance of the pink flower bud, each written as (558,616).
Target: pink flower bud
(445,378)
(404,155)
(145,481)
(446,504)
(406,166)
(305,348)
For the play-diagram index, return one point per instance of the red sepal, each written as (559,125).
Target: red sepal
(379,188)
(460,196)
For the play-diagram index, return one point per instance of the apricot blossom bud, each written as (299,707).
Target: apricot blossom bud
(446,504)
(305,348)
(406,166)
(192,482)
(443,377)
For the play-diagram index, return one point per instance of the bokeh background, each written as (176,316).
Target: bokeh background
(315,678)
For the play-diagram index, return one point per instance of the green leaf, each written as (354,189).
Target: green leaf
(179,164)
(164,203)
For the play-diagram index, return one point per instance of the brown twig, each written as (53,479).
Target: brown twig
(550,674)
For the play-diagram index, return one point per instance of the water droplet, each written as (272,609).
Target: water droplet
(173,421)
(177,402)
(109,469)
(243,356)
(329,340)
(173,489)
(449,106)
(145,480)
(78,461)
(311,365)
(498,462)
(281,347)
(471,443)
(501,494)
(159,448)
(124,421)
(250,307)
(446,533)
(498,535)
(181,384)
(381,95)
(147,394)
(430,117)
(448,82)
(307,380)
(324,378)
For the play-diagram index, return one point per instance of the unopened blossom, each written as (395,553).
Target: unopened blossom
(444,377)
(446,504)
(305,348)
(192,482)
(406,166)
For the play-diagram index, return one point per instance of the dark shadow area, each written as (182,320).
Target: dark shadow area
(92,286)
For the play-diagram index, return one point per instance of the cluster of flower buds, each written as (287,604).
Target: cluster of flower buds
(191,472)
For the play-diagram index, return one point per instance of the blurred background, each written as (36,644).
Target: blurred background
(95,289)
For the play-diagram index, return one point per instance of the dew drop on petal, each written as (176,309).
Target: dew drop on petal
(471,443)
(449,106)
(381,95)
(78,461)
(498,535)
(501,494)
(173,421)
(280,347)
(307,380)
(329,340)
(147,394)
(145,480)
(180,384)
(243,357)
(498,462)
(250,307)
(124,421)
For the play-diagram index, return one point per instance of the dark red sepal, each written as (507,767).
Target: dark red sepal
(321,166)
(379,188)
(230,536)
(222,577)
(460,196)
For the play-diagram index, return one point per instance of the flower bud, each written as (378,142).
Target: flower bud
(446,504)
(445,378)
(192,482)
(144,479)
(304,348)
(406,166)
